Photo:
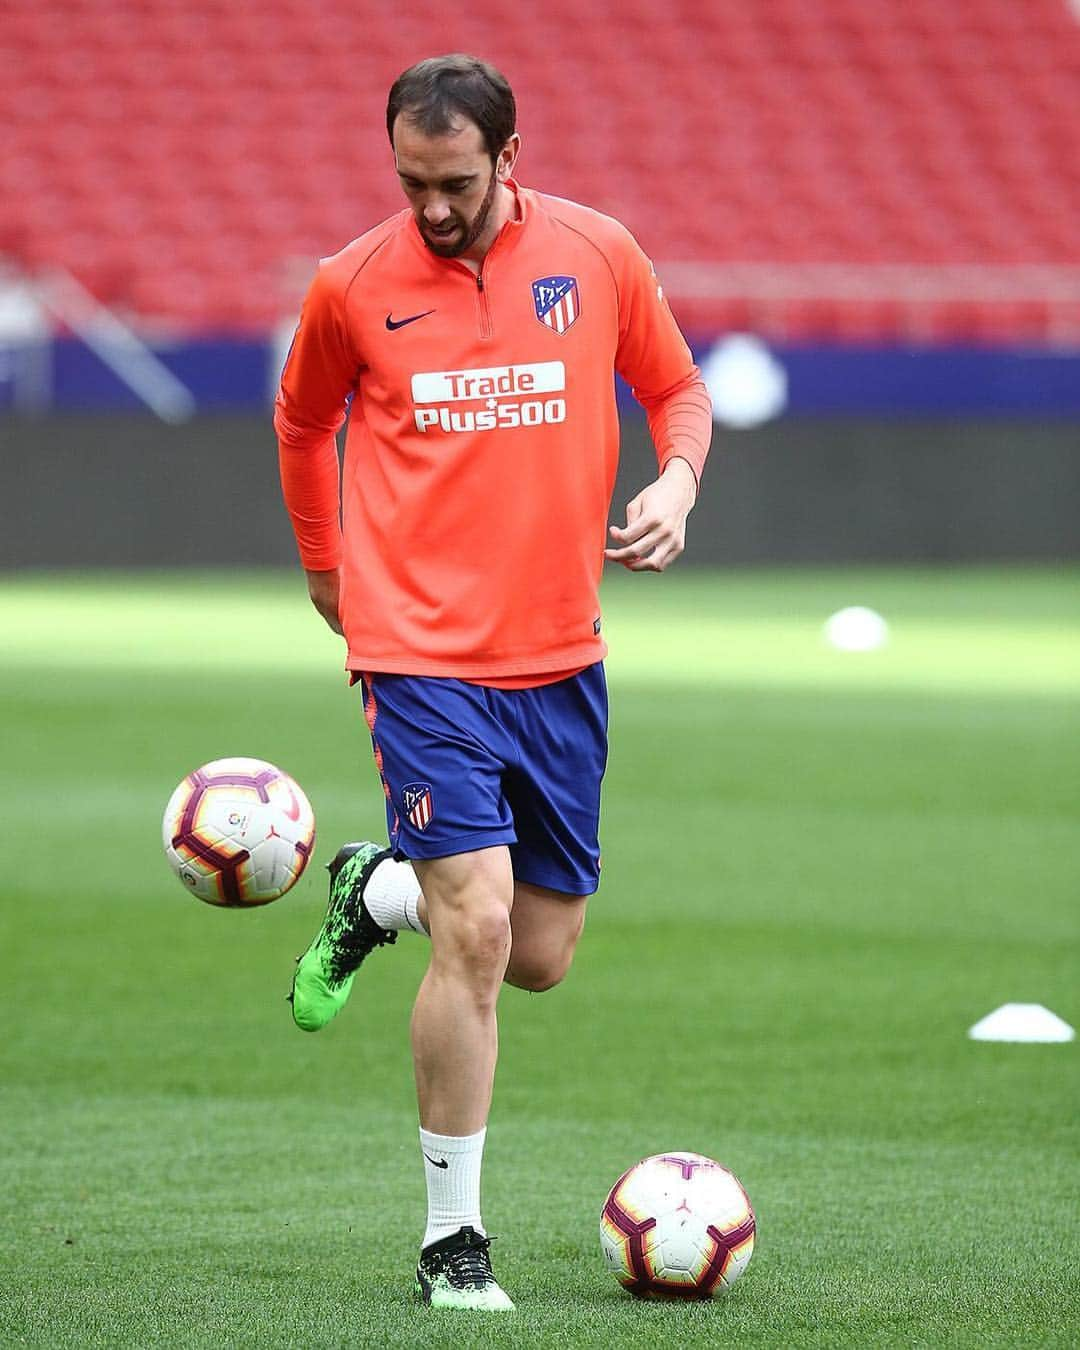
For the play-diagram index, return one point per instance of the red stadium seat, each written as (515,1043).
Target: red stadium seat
(156,145)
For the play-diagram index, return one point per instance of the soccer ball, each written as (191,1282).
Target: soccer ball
(238,832)
(677,1225)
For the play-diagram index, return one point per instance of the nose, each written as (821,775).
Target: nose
(436,211)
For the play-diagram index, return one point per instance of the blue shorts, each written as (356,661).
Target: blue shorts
(466,767)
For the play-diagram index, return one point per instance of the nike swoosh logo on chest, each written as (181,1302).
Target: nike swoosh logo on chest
(392,324)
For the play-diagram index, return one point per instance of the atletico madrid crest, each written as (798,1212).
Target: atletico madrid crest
(557,302)
(417,801)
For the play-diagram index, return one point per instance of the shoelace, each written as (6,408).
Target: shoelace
(471,1265)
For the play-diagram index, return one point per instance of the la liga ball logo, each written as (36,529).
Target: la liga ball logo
(238,832)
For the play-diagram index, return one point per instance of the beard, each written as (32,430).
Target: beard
(465,234)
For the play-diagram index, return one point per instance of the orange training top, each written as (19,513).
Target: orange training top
(483,437)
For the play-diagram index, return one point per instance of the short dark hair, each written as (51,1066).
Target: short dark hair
(437,91)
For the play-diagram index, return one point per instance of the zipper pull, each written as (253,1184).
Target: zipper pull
(479,281)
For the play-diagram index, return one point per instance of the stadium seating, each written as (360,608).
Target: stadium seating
(177,157)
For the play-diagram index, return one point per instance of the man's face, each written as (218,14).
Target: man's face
(451,184)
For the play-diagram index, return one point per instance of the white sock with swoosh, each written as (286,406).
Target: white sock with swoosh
(452,1168)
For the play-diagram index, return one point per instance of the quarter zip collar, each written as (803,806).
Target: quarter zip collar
(508,236)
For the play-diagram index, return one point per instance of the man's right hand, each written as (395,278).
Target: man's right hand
(325,591)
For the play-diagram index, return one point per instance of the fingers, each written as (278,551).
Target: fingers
(330,614)
(636,528)
(655,531)
(324,588)
(646,545)
(652,561)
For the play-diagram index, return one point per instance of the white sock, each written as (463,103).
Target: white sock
(391,896)
(452,1168)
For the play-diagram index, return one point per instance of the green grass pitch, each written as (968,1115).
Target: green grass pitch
(820,870)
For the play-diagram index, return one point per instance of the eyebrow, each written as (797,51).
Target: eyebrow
(445,183)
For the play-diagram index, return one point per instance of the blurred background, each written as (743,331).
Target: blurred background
(866,215)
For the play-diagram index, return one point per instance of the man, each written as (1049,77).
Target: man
(476,334)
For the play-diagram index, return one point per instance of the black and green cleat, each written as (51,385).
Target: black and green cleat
(324,974)
(455,1272)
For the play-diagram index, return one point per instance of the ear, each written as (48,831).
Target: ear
(504,165)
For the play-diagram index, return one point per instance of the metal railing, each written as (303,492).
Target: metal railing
(917,289)
(115,343)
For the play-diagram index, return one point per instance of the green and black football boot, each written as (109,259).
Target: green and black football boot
(324,974)
(455,1272)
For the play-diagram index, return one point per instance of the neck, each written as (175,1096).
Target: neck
(503,208)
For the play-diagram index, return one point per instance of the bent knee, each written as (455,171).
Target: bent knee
(537,975)
(478,941)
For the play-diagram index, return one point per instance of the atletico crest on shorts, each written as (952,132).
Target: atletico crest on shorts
(557,302)
(418,804)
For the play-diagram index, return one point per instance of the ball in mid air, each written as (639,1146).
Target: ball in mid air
(238,832)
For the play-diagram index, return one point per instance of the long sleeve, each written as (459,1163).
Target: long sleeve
(318,378)
(654,359)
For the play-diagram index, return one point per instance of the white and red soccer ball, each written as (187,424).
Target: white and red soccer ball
(677,1225)
(238,832)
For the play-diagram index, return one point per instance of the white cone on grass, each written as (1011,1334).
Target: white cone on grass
(856,629)
(1027,1022)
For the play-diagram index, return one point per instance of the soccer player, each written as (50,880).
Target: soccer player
(474,337)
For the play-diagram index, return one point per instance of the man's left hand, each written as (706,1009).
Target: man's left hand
(655,530)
